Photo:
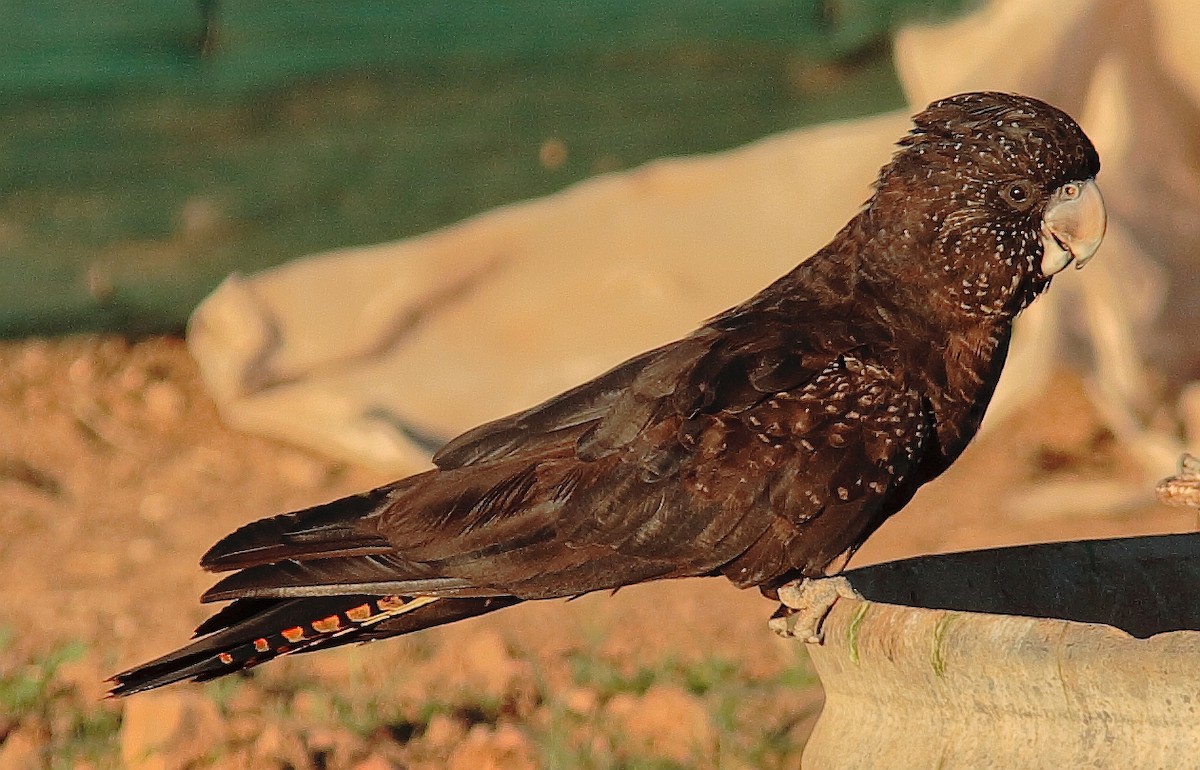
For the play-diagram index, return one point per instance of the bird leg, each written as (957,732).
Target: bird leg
(804,605)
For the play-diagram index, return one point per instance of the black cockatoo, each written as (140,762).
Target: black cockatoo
(762,447)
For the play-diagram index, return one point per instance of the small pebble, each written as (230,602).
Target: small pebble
(164,402)
(155,507)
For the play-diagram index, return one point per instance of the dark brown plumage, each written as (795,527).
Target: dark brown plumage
(762,447)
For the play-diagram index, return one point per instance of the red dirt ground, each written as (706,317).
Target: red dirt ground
(116,474)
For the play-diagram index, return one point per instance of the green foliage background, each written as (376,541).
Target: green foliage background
(136,169)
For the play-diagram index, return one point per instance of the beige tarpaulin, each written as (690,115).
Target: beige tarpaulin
(372,354)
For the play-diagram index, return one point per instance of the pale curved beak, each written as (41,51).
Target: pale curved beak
(1073,226)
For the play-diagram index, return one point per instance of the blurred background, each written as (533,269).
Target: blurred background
(149,148)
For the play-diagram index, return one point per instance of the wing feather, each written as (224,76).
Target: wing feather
(750,452)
